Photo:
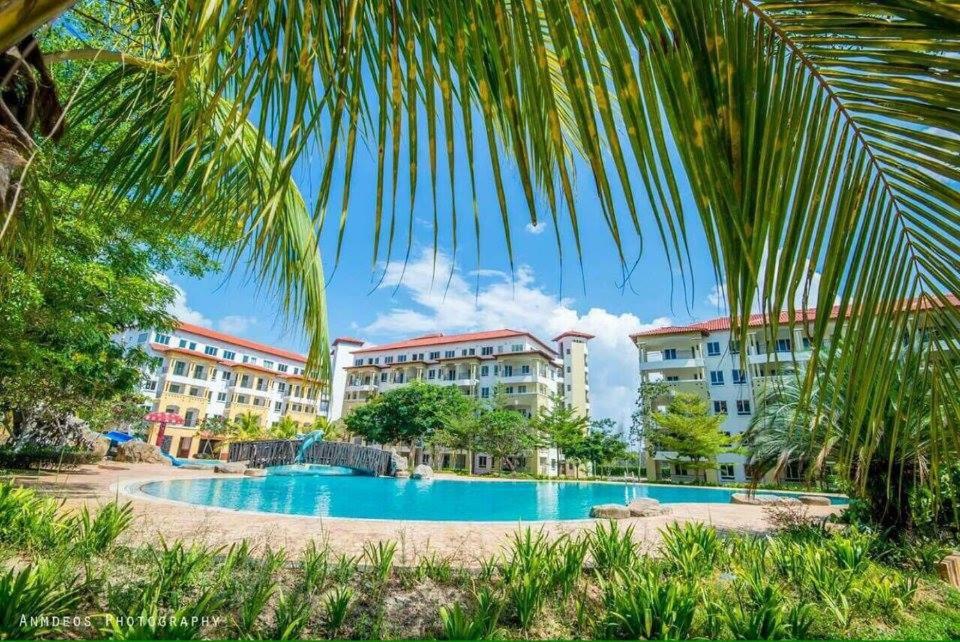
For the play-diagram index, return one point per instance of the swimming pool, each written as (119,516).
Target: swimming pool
(408,499)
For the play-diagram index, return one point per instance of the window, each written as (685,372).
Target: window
(739,376)
(358,362)
(278,406)
(673,378)
(472,352)
(268,364)
(507,371)
(449,354)
(221,397)
(713,349)
(516,347)
(734,347)
(783,345)
(431,374)
(525,369)
(195,391)
(179,368)
(225,375)
(281,387)
(726,472)
(229,355)
(142,337)
(282,367)
(719,407)
(149,385)
(211,350)
(176,388)
(240,398)
(199,372)
(486,351)
(388,359)
(245,381)
(401,358)
(806,343)
(743,406)
(485,393)
(481,461)
(383,376)
(163,339)
(509,390)
(258,401)
(716,377)
(398,377)
(521,390)
(417,356)
(484,371)
(435,355)
(669,354)
(190,345)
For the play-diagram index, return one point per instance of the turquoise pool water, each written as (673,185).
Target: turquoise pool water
(439,499)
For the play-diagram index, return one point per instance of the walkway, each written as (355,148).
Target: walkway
(463,541)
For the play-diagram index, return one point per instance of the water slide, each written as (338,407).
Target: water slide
(309,440)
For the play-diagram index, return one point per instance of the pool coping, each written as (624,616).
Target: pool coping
(134,489)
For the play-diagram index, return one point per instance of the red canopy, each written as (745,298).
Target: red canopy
(165,418)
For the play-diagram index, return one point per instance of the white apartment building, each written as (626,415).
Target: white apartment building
(703,359)
(200,373)
(528,370)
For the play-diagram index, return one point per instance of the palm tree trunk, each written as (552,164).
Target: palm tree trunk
(19,18)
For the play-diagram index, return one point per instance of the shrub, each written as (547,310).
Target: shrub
(43,458)
(336,606)
(98,533)
(692,549)
(611,548)
(640,605)
(33,590)
(458,624)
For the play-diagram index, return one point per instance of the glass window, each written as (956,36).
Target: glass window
(516,347)
(163,339)
(179,367)
(716,377)
(727,472)
(229,354)
(211,350)
(734,347)
(486,350)
(525,369)
(221,396)
(713,349)
(783,345)
(449,354)
(484,371)
(739,376)
(743,406)
(268,364)
(485,392)
(199,372)
(282,367)
(388,359)
(176,388)
(669,354)
(435,355)
(245,381)
(719,407)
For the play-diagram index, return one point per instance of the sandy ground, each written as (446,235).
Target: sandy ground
(464,542)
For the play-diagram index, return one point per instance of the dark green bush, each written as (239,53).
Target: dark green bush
(43,458)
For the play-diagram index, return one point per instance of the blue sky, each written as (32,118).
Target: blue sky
(538,295)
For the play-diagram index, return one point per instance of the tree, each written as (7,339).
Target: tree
(461,430)
(792,427)
(863,147)
(246,427)
(688,429)
(504,433)
(410,414)
(563,426)
(284,428)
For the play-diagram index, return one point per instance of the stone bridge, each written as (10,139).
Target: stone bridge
(283,452)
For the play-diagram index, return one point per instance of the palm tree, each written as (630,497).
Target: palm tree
(284,428)
(814,136)
(792,426)
(246,427)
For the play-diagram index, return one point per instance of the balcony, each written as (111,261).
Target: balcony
(665,364)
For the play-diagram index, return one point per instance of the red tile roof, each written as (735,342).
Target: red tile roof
(758,320)
(573,333)
(252,345)
(350,340)
(446,339)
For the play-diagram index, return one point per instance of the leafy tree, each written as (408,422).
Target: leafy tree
(461,431)
(688,429)
(504,433)
(284,428)
(563,426)
(410,414)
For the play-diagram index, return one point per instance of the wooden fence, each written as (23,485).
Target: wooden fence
(281,452)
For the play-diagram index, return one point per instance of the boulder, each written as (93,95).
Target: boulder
(610,511)
(646,508)
(949,569)
(255,472)
(98,443)
(422,472)
(402,474)
(193,465)
(814,500)
(140,452)
(397,462)
(233,468)
(763,500)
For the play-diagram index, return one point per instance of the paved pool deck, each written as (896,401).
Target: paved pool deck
(464,542)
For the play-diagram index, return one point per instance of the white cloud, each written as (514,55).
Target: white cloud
(806,295)
(537,228)
(236,323)
(459,305)
(179,308)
